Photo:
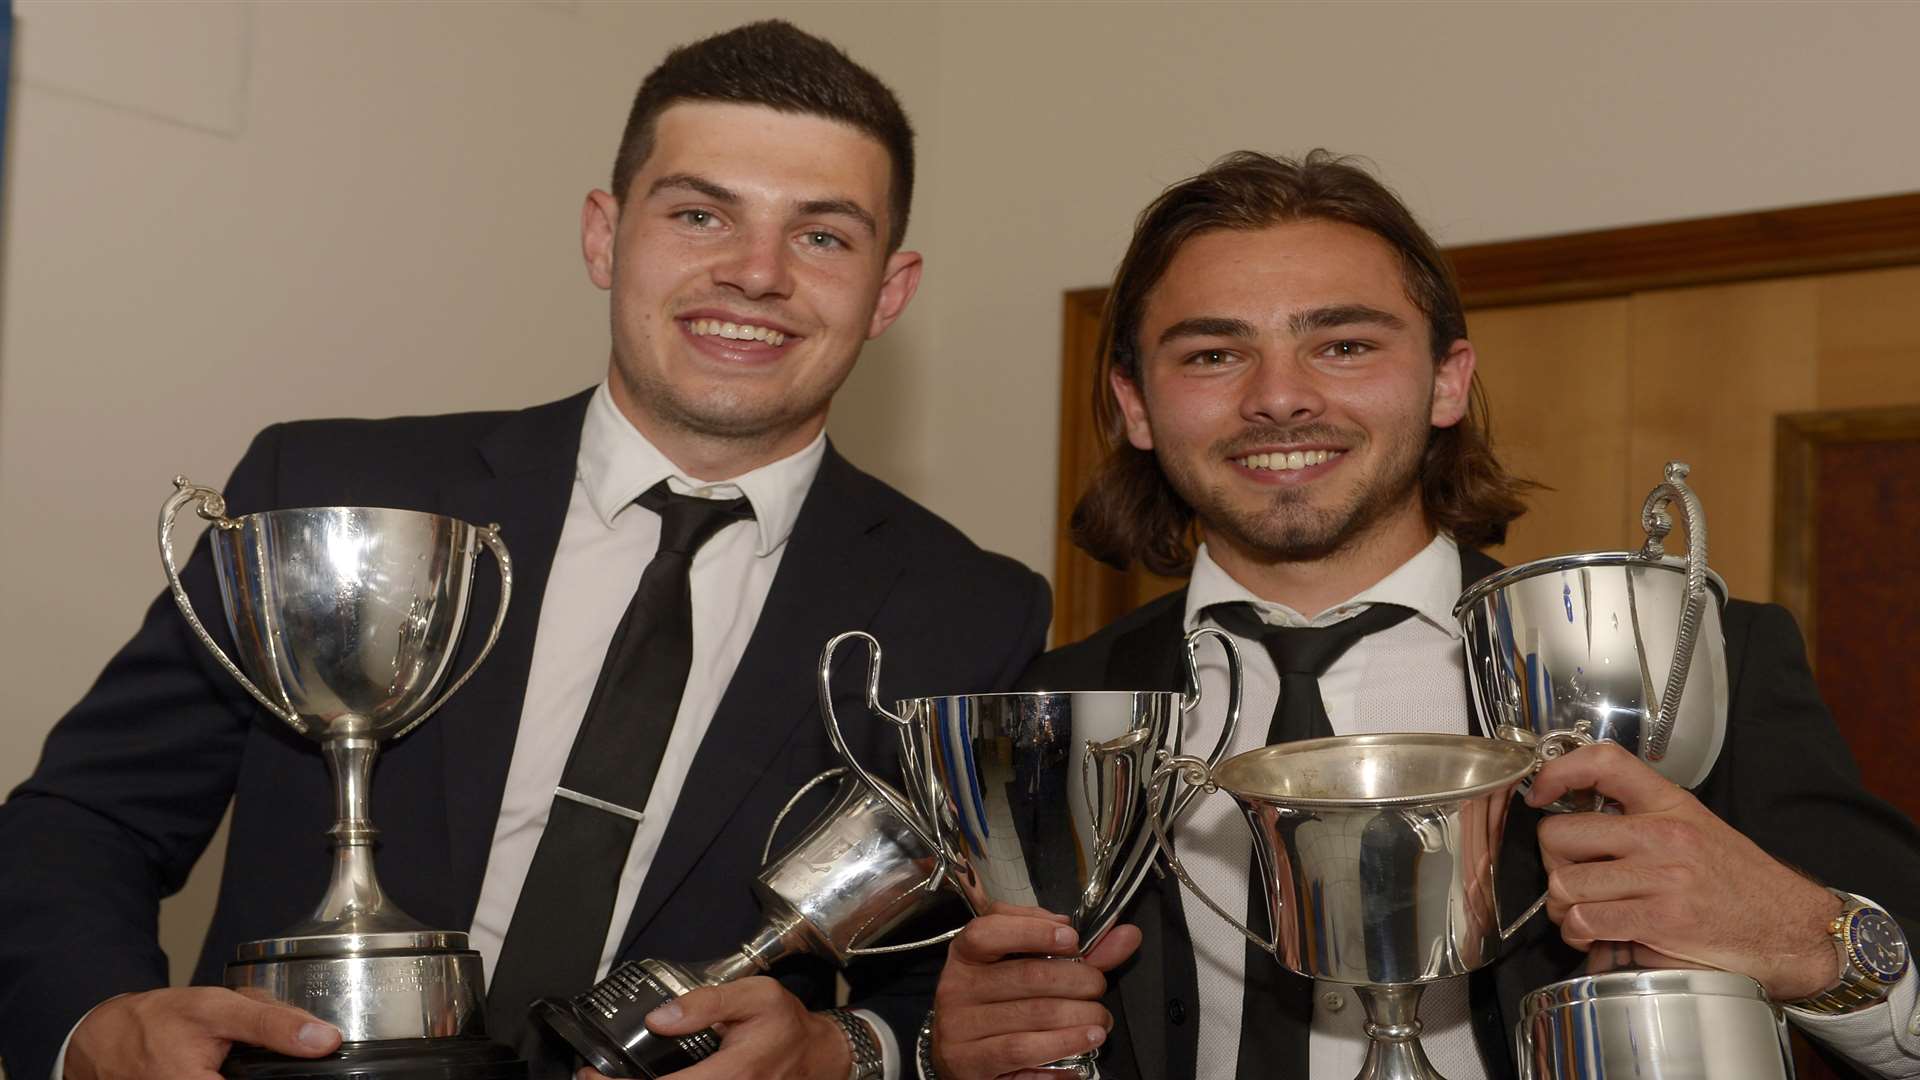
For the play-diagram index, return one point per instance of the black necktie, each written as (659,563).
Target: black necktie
(560,924)
(1277,1013)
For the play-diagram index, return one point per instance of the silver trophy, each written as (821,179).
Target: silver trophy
(1643,1022)
(1626,643)
(1037,798)
(1377,856)
(344,622)
(857,873)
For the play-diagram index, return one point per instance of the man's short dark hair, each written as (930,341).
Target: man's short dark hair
(776,64)
(1130,510)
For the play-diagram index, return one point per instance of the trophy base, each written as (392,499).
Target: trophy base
(387,1059)
(607,1024)
(378,997)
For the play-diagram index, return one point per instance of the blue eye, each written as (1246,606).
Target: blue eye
(821,239)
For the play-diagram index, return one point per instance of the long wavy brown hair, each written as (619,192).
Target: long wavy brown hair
(1130,511)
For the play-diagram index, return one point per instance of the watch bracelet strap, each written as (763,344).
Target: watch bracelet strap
(923,1050)
(1853,994)
(868,1062)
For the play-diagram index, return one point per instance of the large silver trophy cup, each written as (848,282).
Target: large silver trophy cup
(345,620)
(1037,798)
(1376,854)
(857,872)
(1626,645)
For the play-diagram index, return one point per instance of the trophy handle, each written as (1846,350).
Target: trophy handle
(1655,519)
(1199,776)
(1190,699)
(766,851)
(490,536)
(213,507)
(1550,746)
(882,950)
(922,829)
(928,885)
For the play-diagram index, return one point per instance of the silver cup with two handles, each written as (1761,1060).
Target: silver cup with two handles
(1038,798)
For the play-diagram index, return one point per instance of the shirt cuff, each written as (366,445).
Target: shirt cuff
(889,1045)
(60,1061)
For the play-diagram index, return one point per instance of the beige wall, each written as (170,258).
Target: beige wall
(218,216)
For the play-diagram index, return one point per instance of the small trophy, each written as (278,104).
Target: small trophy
(345,619)
(1624,644)
(1376,854)
(857,873)
(1037,798)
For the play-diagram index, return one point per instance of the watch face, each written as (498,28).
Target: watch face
(1879,948)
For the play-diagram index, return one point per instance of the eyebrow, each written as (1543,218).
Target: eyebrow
(1208,326)
(1333,315)
(700,185)
(842,208)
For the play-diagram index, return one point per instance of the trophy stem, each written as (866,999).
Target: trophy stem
(354,902)
(778,938)
(1393,1034)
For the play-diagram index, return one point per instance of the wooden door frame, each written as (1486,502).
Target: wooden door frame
(1798,439)
(1859,234)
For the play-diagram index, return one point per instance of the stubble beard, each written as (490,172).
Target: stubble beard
(1289,527)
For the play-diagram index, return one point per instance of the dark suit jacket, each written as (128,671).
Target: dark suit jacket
(1784,778)
(133,782)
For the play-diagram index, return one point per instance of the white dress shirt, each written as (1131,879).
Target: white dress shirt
(1408,677)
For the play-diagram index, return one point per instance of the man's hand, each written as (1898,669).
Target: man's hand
(765,1033)
(1666,873)
(184,1034)
(1003,1006)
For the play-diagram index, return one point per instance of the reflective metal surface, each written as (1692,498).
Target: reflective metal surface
(345,621)
(1376,854)
(857,872)
(1652,1025)
(1038,798)
(1628,643)
(1376,851)
(433,995)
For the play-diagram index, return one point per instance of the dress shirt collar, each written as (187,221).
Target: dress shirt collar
(617,464)
(1429,583)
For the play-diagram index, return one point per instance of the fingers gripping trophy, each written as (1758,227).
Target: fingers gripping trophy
(345,620)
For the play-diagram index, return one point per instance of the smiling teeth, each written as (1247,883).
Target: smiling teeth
(1292,459)
(735,331)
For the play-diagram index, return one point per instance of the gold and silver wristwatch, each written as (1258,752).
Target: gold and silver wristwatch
(1874,957)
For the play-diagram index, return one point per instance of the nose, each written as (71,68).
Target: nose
(1281,391)
(757,264)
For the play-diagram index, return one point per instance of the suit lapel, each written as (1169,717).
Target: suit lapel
(531,462)
(834,575)
(1162,971)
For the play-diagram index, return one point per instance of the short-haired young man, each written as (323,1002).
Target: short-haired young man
(751,244)
(1287,369)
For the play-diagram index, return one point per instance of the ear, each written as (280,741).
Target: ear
(599,221)
(899,282)
(1133,409)
(1453,384)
